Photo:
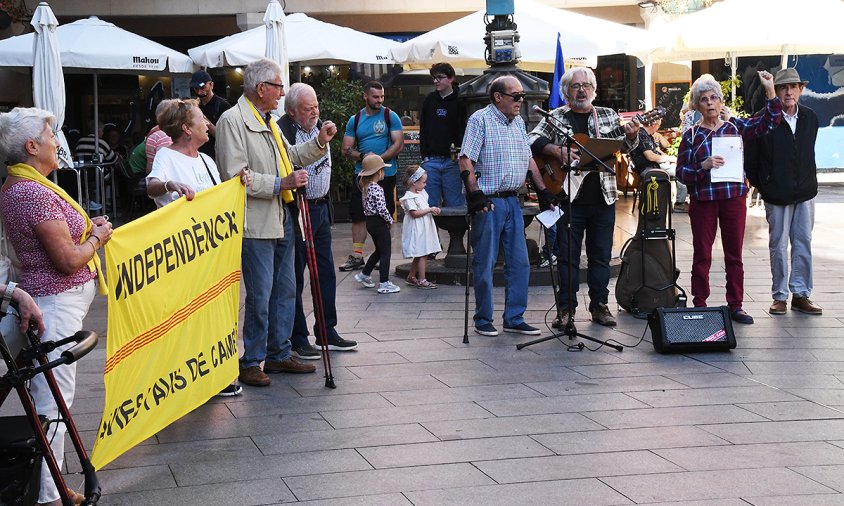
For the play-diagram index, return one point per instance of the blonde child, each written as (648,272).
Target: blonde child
(378,222)
(419,236)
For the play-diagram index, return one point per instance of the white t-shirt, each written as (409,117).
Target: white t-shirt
(170,165)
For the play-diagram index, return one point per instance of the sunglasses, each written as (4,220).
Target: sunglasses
(517,97)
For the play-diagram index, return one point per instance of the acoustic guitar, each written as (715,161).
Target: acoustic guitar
(551,169)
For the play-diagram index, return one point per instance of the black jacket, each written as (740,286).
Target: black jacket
(442,123)
(782,164)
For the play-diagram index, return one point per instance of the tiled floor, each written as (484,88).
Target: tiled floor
(420,418)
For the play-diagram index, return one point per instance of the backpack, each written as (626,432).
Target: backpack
(387,120)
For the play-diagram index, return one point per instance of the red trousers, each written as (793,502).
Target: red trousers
(705,217)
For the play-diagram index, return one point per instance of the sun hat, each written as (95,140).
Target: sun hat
(788,76)
(372,164)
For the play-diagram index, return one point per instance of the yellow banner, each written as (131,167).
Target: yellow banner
(174,289)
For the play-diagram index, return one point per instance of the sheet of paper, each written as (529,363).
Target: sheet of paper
(549,218)
(732,149)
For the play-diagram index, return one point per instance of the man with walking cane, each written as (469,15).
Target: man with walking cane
(247,136)
(300,125)
(496,147)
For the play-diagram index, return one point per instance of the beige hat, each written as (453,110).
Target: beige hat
(788,76)
(372,164)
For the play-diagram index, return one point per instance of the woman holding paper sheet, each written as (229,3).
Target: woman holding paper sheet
(709,163)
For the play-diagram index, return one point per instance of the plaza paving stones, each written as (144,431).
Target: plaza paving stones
(420,418)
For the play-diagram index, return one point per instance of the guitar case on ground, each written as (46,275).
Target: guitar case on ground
(648,277)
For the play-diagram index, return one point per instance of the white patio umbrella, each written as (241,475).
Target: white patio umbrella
(92,45)
(276,45)
(308,40)
(461,41)
(734,28)
(47,77)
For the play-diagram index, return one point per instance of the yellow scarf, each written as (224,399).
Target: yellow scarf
(284,165)
(25,171)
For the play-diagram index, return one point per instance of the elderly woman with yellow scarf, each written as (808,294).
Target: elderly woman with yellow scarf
(57,246)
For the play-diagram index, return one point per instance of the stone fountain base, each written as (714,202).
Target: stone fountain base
(451,270)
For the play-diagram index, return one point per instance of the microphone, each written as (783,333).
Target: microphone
(541,111)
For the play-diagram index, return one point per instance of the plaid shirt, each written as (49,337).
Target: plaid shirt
(499,147)
(696,147)
(319,172)
(604,123)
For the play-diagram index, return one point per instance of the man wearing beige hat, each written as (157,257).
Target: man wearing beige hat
(781,165)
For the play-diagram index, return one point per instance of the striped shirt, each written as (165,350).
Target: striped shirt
(499,147)
(85,148)
(696,147)
(319,172)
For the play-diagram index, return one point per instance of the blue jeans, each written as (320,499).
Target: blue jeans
(268,273)
(503,225)
(792,223)
(598,223)
(444,184)
(321,228)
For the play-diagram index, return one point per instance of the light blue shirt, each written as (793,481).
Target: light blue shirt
(499,147)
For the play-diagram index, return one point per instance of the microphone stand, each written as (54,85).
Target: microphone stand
(569,329)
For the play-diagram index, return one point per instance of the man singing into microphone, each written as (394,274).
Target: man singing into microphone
(593,194)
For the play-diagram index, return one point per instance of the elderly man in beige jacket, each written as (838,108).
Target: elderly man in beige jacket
(247,136)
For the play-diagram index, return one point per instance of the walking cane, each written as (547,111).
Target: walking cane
(468,254)
(316,292)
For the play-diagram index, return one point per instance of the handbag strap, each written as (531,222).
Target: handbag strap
(201,157)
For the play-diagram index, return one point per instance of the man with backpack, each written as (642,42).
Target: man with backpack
(374,129)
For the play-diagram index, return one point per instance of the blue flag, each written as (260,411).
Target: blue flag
(556,100)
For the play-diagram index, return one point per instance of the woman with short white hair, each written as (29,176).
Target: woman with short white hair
(57,245)
(719,204)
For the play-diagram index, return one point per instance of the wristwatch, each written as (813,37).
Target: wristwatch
(7,296)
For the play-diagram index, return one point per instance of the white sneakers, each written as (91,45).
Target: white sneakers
(385,287)
(388,287)
(364,280)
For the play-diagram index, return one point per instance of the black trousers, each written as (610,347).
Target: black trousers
(380,233)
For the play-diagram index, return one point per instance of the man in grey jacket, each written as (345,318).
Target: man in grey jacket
(247,136)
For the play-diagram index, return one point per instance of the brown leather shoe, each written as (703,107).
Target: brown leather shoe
(778,307)
(804,305)
(291,365)
(602,316)
(254,376)
(563,317)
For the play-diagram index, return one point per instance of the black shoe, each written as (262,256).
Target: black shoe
(337,343)
(353,263)
(232,390)
(486,329)
(523,328)
(602,316)
(306,352)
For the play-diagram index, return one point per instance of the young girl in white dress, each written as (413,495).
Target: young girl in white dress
(419,236)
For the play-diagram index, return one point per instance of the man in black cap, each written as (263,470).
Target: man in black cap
(211,105)
(781,165)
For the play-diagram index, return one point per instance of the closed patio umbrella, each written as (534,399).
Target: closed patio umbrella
(47,78)
(276,45)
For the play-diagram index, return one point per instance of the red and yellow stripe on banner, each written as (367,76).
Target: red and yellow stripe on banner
(167,325)
(174,280)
